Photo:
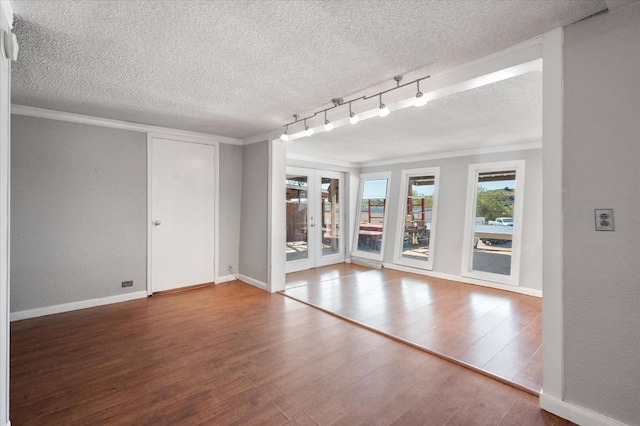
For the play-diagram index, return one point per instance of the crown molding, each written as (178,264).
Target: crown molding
(257,138)
(522,146)
(117,124)
(8,11)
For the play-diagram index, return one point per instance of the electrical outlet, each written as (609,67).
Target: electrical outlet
(127,283)
(604,220)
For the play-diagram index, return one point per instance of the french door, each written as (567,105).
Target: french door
(315,218)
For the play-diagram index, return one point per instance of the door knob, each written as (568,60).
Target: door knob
(156,222)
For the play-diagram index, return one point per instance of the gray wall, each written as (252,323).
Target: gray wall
(78,212)
(253,218)
(600,165)
(230,186)
(447,253)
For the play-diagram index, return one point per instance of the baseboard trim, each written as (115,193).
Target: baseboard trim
(451,277)
(251,281)
(575,413)
(225,279)
(74,306)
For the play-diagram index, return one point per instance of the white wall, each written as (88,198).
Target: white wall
(600,164)
(78,212)
(448,251)
(5,105)
(253,215)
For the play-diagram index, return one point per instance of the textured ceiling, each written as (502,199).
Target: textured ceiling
(241,68)
(498,114)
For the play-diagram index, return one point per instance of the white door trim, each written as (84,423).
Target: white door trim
(216,210)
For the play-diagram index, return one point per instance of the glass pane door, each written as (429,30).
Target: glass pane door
(297,192)
(331,248)
(314,219)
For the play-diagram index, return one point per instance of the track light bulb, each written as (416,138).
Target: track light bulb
(285,135)
(307,130)
(354,118)
(328,126)
(420,100)
(384,110)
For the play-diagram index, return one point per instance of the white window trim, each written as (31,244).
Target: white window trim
(469,228)
(356,230)
(406,174)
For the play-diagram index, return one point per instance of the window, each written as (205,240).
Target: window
(416,222)
(494,222)
(372,216)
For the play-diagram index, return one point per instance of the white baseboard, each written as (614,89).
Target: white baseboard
(73,306)
(451,277)
(225,279)
(255,283)
(575,413)
(8,422)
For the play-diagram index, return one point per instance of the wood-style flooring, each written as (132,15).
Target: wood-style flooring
(496,331)
(233,354)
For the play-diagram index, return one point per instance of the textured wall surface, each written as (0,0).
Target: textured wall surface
(454,172)
(253,219)
(600,165)
(78,212)
(230,188)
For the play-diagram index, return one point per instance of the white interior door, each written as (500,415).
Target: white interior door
(314,219)
(182,213)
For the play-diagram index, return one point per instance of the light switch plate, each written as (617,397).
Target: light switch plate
(604,220)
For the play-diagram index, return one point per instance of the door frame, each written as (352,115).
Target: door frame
(216,196)
(314,184)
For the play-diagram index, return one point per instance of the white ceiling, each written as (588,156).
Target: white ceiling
(241,68)
(498,114)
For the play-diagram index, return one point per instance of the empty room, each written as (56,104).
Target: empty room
(320,212)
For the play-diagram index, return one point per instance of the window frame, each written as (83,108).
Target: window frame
(467,270)
(356,232)
(404,182)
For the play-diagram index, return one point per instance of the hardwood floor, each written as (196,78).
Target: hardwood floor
(495,331)
(233,354)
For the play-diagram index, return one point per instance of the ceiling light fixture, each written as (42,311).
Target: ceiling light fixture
(421,100)
(285,135)
(327,124)
(307,130)
(353,117)
(384,110)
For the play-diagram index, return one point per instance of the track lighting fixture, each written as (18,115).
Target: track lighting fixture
(353,117)
(420,99)
(384,110)
(327,124)
(307,130)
